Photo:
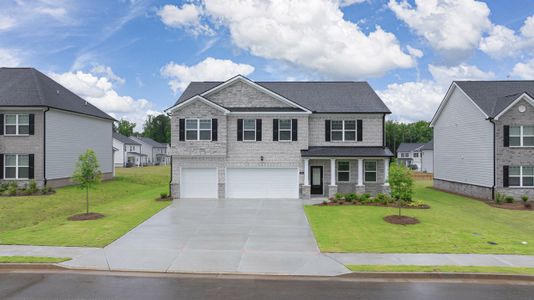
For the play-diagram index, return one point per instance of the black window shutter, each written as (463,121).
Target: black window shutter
(239,129)
(505,176)
(258,129)
(294,129)
(31,164)
(182,129)
(327,130)
(1,166)
(1,124)
(214,129)
(360,130)
(506,140)
(275,129)
(32,124)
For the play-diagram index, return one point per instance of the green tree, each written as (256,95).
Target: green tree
(158,128)
(397,133)
(124,127)
(87,173)
(401,184)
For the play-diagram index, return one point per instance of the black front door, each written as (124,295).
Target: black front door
(316,180)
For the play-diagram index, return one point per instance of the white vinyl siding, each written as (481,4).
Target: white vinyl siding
(463,143)
(427,160)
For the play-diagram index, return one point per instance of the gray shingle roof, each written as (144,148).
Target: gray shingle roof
(151,142)
(23,87)
(407,147)
(317,96)
(428,146)
(494,96)
(124,139)
(344,151)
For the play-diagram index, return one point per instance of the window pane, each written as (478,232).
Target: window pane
(528,130)
(23,172)
(10,172)
(24,161)
(24,129)
(515,171)
(11,119)
(11,160)
(249,135)
(514,181)
(249,124)
(528,141)
(370,166)
(205,135)
(529,171)
(343,166)
(528,181)
(284,124)
(350,135)
(515,141)
(337,125)
(205,124)
(284,135)
(24,119)
(11,129)
(191,135)
(515,130)
(343,176)
(191,124)
(370,176)
(350,125)
(337,135)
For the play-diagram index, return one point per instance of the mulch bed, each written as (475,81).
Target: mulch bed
(401,220)
(164,199)
(86,217)
(21,194)
(345,203)
(512,206)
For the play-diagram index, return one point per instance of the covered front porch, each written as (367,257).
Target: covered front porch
(331,170)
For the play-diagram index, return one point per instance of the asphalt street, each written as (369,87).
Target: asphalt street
(105,286)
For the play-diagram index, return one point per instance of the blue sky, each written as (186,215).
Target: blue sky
(133,58)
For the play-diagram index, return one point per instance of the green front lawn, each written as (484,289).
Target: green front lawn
(453,224)
(31,259)
(441,269)
(126,201)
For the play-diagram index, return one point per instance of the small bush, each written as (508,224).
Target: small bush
(401,182)
(524,198)
(415,203)
(382,198)
(351,197)
(31,188)
(509,199)
(499,198)
(339,196)
(163,195)
(12,188)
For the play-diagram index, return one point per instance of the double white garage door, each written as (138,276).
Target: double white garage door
(241,183)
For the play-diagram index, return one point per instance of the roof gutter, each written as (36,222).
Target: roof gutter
(491,119)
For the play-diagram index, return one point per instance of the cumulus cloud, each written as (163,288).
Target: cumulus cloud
(188,16)
(344,3)
(210,69)
(452,27)
(6,22)
(414,51)
(100,92)
(504,42)
(444,75)
(311,34)
(106,70)
(8,58)
(524,70)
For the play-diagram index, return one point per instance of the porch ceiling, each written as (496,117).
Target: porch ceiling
(344,151)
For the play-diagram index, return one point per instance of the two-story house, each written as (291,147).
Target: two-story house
(245,139)
(155,152)
(129,151)
(44,128)
(410,155)
(484,139)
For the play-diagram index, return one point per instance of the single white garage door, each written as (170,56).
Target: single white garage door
(262,183)
(198,183)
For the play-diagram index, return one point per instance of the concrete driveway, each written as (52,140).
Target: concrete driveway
(261,236)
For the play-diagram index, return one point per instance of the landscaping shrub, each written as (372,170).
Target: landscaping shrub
(351,197)
(499,198)
(339,196)
(364,198)
(401,182)
(3,187)
(524,198)
(163,195)
(509,199)
(382,198)
(12,188)
(31,188)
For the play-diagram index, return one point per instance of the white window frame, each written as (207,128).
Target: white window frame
(16,166)
(365,171)
(17,125)
(285,130)
(521,136)
(521,178)
(198,130)
(253,121)
(343,130)
(416,154)
(340,171)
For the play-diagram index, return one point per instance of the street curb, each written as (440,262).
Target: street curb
(444,275)
(30,266)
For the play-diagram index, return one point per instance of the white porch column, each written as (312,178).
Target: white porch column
(360,171)
(386,171)
(332,171)
(306,171)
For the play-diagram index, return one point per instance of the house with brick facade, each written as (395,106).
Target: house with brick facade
(484,139)
(246,139)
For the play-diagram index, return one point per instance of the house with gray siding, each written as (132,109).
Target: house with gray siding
(246,139)
(484,139)
(156,153)
(410,155)
(44,128)
(129,151)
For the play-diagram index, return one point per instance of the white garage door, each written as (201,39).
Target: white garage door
(262,183)
(198,183)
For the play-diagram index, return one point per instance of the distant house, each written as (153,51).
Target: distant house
(44,128)
(427,158)
(484,139)
(409,155)
(156,152)
(129,152)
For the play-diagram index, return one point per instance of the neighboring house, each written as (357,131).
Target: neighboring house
(44,128)
(156,152)
(129,151)
(245,139)
(427,159)
(484,139)
(409,155)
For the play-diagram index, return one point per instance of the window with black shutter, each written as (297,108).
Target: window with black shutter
(258,129)
(214,129)
(275,129)
(327,130)
(181,129)
(294,129)
(239,129)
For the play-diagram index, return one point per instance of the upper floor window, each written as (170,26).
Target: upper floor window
(198,129)
(249,130)
(521,176)
(17,124)
(343,130)
(370,170)
(343,171)
(415,154)
(522,136)
(284,130)
(16,166)
(405,154)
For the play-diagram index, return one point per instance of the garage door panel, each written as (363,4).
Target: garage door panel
(262,183)
(198,183)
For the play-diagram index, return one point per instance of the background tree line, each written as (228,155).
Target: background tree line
(157,128)
(397,133)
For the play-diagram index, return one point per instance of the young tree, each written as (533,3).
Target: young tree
(401,184)
(124,127)
(158,128)
(87,173)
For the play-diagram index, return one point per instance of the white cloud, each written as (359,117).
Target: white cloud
(344,3)
(100,92)
(524,70)
(188,16)
(444,75)
(414,51)
(310,34)
(452,27)
(6,22)
(210,69)
(505,42)
(106,70)
(8,58)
